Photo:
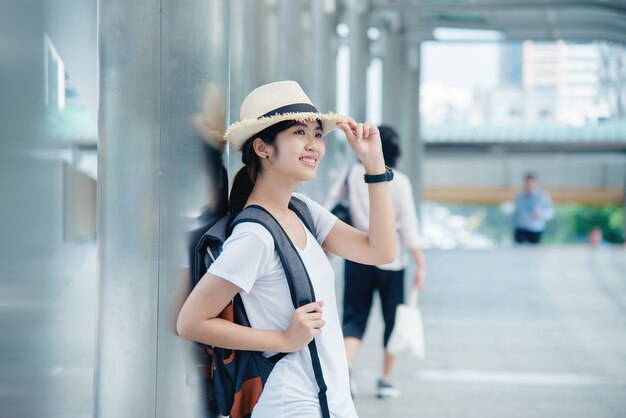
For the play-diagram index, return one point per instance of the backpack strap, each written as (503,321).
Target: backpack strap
(302,210)
(220,229)
(202,252)
(300,286)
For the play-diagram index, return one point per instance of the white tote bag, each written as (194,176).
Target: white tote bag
(407,337)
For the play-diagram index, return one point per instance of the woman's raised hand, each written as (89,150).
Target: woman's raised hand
(364,139)
(306,324)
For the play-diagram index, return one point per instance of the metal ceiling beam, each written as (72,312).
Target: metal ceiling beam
(569,34)
(517,21)
(613,7)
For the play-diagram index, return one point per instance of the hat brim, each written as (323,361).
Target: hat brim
(239,132)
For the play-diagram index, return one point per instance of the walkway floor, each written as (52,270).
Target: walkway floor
(519,332)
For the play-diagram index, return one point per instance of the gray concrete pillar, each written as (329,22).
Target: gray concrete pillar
(324,53)
(401,91)
(289,32)
(359,57)
(163,84)
(413,145)
(322,86)
(395,97)
(395,72)
(31,271)
(249,41)
(245,40)
(268,51)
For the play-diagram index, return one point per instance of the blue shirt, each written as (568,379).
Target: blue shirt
(526,204)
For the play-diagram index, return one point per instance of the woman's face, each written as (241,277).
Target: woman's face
(300,150)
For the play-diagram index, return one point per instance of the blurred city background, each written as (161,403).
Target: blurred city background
(110,117)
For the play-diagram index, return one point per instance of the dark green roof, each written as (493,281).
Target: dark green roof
(605,132)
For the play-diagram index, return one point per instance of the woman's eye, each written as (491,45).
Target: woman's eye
(319,136)
(300,132)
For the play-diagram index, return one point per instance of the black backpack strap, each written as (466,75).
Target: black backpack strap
(239,314)
(300,286)
(302,210)
(202,251)
(220,229)
(319,378)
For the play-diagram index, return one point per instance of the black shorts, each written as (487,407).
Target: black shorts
(524,235)
(360,283)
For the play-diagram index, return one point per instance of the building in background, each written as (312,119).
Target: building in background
(542,83)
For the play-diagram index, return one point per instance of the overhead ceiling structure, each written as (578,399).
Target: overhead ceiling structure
(469,161)
(512,21)
(571,20)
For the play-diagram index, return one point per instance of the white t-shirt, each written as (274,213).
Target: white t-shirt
(407,225)
(249,260)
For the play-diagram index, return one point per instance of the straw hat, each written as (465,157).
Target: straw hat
(272,103)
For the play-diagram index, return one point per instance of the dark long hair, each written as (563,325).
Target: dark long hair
(391,145)
(247,175)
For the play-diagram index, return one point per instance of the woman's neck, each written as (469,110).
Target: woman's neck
(272,193)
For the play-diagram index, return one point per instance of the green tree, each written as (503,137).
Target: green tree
(609,218)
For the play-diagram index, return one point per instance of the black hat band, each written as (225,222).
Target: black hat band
(291,108)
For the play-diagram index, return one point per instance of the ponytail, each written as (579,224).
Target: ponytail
(247,175)
(242,187)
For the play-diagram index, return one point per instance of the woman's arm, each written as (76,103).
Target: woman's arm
(198,321)
(378,246)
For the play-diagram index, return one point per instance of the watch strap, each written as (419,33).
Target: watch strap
(379,178)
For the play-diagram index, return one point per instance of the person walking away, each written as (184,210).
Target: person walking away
(362,281)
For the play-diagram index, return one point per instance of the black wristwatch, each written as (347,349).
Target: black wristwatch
(379,178)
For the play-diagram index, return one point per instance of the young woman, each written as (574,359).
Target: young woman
(280,136)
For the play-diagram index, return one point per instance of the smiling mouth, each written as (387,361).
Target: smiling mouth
(309,161)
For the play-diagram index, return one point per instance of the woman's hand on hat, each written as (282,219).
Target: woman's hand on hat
(306,324)
(364,139)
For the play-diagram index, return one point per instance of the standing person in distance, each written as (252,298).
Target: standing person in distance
(533,208)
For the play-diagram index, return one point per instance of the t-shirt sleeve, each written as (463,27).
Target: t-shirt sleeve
(250,242)
(322,218)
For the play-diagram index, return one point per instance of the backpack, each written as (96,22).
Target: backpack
(238,376)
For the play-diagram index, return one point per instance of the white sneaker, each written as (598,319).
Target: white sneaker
(352,379)
(387,390)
